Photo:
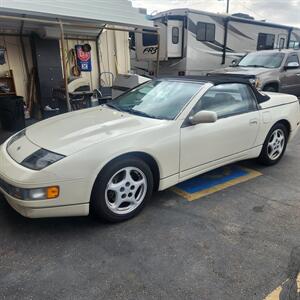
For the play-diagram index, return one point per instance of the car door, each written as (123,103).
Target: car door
(232,134)
(290,77)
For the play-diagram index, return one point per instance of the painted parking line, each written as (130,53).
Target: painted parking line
(286,291)
(214,181)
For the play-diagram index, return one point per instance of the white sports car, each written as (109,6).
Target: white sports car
(109,159)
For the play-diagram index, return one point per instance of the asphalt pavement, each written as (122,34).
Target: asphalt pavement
(238,243)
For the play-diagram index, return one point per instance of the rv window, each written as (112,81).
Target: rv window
(265,41)
(149,39)
(206,32)
(210,32)
(175,35)
(294,44)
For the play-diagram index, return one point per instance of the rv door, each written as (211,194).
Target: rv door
(175,38)
(282,41)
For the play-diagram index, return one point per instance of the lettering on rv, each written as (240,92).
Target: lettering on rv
(150,50)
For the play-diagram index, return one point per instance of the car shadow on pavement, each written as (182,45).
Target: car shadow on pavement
(16,221)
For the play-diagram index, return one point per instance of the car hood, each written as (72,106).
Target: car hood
(72,132)
(242,71)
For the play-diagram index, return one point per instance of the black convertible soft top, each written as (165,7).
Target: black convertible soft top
(216,80)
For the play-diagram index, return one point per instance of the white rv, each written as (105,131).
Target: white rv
(196,42)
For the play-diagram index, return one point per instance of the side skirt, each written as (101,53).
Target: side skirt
(177,178)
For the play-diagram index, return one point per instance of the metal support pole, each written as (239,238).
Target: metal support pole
(226,21)
(227,8)
(63,48)
(98,55)
(158,50)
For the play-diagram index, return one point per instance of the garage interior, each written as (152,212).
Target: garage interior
(51,65)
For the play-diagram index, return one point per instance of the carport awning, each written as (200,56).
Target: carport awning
(97,12)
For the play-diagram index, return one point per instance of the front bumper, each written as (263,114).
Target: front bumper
(72,201)
(25,209)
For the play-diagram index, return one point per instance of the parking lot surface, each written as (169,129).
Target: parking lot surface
(238,243)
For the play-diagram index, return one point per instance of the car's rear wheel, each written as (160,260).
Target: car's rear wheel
(122,189)
(274,145)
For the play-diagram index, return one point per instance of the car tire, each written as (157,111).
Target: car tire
(274,145)
(122,189)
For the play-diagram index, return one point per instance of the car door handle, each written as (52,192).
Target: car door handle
(253,122)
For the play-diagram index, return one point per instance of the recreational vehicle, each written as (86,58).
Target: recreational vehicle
(196,42)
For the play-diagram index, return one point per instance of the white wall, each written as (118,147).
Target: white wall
(114,56)
(114,53)
(15,61)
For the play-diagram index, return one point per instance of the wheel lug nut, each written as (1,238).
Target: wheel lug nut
(123,196)
(132,187)
(127,184)
(130,195)
(122,189)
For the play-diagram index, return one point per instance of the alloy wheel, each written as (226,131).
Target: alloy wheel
(276,144)
(126,190)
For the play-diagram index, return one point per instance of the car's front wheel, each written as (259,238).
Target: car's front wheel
(274,145)
(122,189)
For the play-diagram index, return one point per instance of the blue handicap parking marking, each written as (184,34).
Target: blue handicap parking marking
(214,181)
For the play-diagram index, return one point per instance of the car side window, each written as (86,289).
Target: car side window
(227,100)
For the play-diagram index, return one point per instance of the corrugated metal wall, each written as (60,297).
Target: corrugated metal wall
(15,61)
(108,11)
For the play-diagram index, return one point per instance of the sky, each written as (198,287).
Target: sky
(277,11)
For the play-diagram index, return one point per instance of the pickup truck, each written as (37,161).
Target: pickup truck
(268,70)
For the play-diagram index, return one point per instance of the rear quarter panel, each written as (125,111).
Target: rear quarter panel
(279,107)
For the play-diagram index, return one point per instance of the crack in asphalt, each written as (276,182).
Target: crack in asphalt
(272,199)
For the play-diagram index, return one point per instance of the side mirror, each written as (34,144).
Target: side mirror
(203,116)
(292,65)
(234,63)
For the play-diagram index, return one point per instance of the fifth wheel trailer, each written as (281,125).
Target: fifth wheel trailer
(196,42)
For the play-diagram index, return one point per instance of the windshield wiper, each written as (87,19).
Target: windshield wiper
(140,113)
(113,106)
(131,111)
(254,66)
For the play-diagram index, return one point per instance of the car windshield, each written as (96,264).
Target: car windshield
(264,60)
(158,99)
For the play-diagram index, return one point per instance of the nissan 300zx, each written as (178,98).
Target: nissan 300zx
(109,159)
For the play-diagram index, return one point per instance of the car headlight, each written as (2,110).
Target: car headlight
(16,137)
(41,159)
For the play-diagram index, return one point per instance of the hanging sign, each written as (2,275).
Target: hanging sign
(84,60)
